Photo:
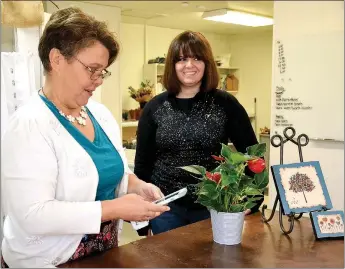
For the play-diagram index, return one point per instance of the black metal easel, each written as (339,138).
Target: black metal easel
(291,217)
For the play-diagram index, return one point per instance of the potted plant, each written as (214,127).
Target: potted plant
(143,94)
(227,191)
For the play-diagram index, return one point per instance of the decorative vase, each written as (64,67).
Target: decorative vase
(227,227)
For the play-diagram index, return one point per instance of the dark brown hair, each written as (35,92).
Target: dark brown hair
(192,44)
(70,30)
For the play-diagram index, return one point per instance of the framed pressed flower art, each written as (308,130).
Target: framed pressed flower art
(301,187)
(328,224)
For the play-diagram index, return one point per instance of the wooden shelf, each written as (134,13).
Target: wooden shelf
(129,124)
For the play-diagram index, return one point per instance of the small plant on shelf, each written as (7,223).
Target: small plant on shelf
(143,94)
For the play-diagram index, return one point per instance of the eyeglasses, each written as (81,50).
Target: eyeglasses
(95,74)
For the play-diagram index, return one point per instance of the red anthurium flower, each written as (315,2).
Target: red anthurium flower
(256,165)
(209,175)
(214,177)
(217,158)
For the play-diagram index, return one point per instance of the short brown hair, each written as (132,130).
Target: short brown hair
(192,44)
(70,30)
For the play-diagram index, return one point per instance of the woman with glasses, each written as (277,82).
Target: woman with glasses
(66,184)
(186,125)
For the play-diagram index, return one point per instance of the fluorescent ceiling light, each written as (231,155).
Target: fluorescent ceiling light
(237,17)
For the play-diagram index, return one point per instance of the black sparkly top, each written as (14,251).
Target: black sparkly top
(175,132)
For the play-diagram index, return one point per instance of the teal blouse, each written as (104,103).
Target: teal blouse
(106,158)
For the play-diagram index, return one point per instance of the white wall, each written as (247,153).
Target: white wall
(131,61)
(159,39)
(252,53)
(312,17)
(111,93)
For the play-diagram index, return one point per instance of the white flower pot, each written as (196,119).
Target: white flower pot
(227,227)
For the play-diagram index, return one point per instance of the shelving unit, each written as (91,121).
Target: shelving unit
(154,73)
(224,72)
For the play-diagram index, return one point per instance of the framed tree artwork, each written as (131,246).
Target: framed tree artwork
(328,224)
(301,187)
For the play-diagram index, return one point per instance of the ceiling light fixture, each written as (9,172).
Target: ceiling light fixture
(237,17)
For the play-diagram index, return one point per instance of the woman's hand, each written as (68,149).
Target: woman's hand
(131,207)
(148,191)
(247,212)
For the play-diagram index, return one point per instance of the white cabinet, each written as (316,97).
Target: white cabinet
(154,73)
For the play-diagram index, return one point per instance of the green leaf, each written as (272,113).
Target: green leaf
(249,205)
(225,178)
(245,181)
(233,189)
(261,180)
(227,201)
(238,157)
(229,180)
(257,150)
(195,169)
(233,157)
(226,151)
(226,166)
(252,199)
(204,200)
(234,179)
(217,206)
(236,208)
(209,189)
(252,191)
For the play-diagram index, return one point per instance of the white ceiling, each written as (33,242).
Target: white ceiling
(172,14)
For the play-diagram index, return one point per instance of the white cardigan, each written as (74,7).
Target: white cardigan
(49,186)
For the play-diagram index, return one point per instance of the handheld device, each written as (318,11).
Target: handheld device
(139,224)
(171,197)
(163,201)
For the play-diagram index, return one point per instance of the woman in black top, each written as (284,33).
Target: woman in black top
(186,125)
